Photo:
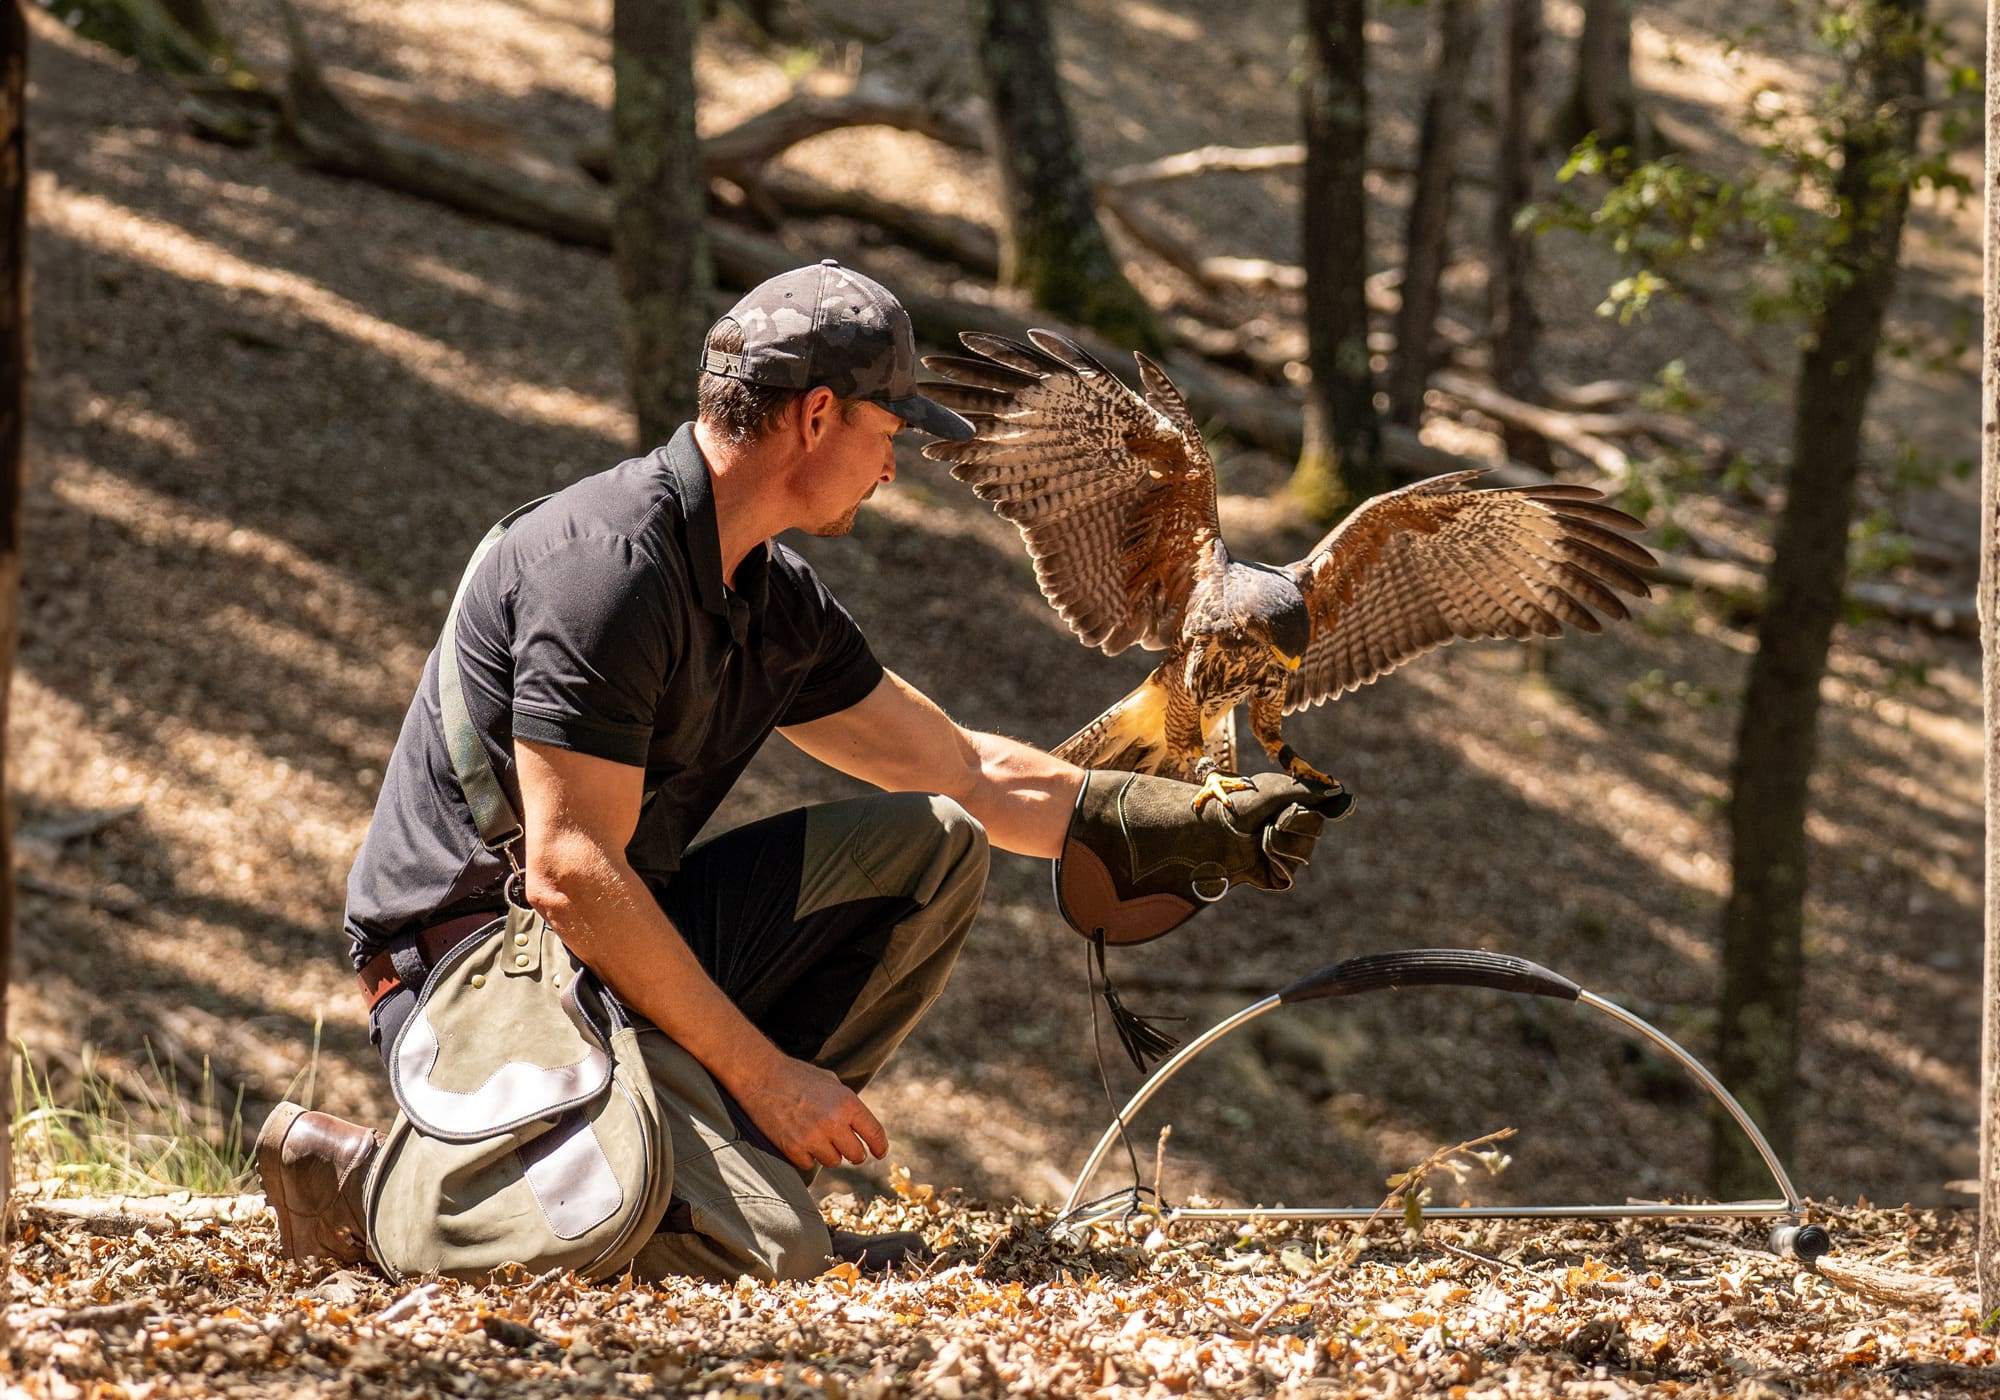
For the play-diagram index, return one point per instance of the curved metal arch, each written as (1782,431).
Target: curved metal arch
(1434,967)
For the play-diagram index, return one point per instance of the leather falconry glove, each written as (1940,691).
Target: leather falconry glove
(1139,859)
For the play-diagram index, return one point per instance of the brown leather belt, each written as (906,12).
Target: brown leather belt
(378,974)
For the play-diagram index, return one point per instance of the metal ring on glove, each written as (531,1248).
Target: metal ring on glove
(1194,888)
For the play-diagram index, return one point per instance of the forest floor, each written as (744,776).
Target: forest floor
(273,410)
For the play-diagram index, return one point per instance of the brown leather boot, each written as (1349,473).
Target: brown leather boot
(314,1167)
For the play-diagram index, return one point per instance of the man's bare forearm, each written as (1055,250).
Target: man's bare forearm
(608,918)
(1021,795)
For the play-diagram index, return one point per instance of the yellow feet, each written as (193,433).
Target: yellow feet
(1301,771)
(1216,787)
(1304,772)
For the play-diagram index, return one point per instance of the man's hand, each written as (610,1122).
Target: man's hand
(809,1115)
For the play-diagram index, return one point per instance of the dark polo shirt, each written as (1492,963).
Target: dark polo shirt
(600,624)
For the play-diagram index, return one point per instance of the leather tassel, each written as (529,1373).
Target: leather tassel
(1143,1040)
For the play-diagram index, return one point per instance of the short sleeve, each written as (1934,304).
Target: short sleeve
(592,647)
(844,669)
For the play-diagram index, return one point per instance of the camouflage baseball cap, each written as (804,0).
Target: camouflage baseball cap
(828,325)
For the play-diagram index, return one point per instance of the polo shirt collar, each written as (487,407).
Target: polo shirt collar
(703,539)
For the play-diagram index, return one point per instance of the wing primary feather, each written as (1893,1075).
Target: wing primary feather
(1609,542)
(1069,352)
(981,373)
(1608,516)
(1011,353)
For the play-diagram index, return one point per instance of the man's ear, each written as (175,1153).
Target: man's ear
(817,409)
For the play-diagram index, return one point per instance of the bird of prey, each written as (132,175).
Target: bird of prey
(1114,493)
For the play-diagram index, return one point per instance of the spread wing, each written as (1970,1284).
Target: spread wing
(1414,568)
(1113,493)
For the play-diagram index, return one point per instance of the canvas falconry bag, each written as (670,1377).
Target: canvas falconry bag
(529,1130)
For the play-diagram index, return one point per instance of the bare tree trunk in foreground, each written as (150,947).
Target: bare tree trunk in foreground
(1516,332)
(1051,242)
(1757,1031)
(659,210)
(13,422)
(1341,464)
(1988,1252)
(1427,237)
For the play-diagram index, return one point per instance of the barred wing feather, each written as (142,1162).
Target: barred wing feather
(1418,567)
(1113,493)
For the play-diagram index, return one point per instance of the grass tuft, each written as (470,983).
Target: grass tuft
(135,1134)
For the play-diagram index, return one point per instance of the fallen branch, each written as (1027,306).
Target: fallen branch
(110,902)
(1203,160)
(738,153)
(1554,424)
(752,142)
(123,1215)
(1885,1285)
(331,136)
(957,241)
(46,839)
(1951,617)
(1598,395)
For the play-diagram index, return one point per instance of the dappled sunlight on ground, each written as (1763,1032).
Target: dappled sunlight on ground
(275,410)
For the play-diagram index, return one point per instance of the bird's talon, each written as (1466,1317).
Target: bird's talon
(1217,787)
(1304,772)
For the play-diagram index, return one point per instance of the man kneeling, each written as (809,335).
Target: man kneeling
(613,662)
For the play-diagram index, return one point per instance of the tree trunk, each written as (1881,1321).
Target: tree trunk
(1987,1254)
(1757,1033)
(1051,244)
(1516,333)
(659,226)
(13,421)
(1341,463)
(1426,241)
(1601,97)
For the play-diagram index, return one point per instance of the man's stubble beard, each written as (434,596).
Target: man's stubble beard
(834,529)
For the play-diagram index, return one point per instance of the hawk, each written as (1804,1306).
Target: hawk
(1114,493)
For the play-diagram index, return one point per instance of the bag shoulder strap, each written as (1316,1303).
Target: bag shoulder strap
(499,825)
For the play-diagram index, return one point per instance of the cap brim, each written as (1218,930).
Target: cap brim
(930,416)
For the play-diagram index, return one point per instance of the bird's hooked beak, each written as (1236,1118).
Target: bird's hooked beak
(1290,663)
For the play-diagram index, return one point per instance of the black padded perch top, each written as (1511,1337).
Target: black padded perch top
(1431,967)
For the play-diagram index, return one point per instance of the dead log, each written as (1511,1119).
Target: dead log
(331,136)
(752,142)
(1885,1285)
(125,1215)
(1203,160)
(1553,424)
(739,152)
(960,242)
(1948,616)
(1257,274)
(1599,394)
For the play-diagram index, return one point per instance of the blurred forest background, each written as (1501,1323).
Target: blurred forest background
(320,292)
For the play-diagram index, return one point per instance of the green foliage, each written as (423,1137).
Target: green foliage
(127,1137)
(1652,696)
(145,30)
(1673,390)
(1663,216)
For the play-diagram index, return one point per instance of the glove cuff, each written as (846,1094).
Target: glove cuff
(1097,887)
